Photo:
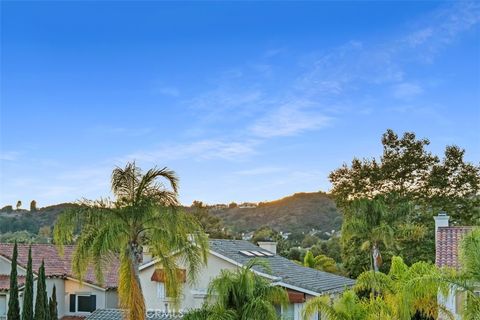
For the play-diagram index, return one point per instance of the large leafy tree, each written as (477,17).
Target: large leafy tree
(212,225)
(27,310)
(407,171)
(241,295)
(13,304)
(144,214)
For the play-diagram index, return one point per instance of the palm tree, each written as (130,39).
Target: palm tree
(369,219)
(378,226)
(320,262)
(347,307)
(402,294)
(407,291)
(241,295)
(144,213)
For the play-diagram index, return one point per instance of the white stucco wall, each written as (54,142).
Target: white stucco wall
(74,287)
(192,294)
(450,304)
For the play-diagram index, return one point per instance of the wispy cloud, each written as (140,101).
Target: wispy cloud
(9,155)
(108,130)
(289,119)
(204,149)
(406,90)
(259,171)
(169,91)
(325,86)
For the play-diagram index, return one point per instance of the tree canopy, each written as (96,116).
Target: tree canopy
(407,171)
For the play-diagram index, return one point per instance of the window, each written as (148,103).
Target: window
(83,303)
(288,312)
(161,290)
(3,305)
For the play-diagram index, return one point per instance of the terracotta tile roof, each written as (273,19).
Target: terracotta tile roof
(5,282)
(57,265)
(448,240)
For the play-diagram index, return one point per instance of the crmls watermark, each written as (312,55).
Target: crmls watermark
(157,313)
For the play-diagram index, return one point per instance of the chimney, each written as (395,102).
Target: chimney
(146,255)
(440,221)
(268,245)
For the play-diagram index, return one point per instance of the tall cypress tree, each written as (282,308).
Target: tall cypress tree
(52,303)
(13,304)
(41,303)
(27,311)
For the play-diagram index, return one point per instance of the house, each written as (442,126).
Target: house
(447,240)
(77,299)
(74,298)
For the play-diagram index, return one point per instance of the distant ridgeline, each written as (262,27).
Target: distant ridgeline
(300,212)
(29,226)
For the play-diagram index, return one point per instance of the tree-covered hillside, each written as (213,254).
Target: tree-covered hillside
(300,212)
(26,226)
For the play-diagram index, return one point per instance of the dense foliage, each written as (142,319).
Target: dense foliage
(212,225)
(468,279)
(411,185)
(401,294)
(406,171)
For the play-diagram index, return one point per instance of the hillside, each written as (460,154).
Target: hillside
(298,212)
(31,221)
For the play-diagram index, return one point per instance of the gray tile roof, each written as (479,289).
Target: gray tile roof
(117,314)
(289,272)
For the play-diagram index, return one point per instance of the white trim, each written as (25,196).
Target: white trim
(289,286)
(148,264)
(84,294)
(86,283)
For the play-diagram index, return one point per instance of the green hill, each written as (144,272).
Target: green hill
(31,221)
(300,212)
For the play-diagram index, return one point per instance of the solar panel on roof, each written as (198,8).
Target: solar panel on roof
(246,253)
(257,253)
(268,254)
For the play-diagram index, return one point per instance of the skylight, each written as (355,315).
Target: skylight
(251,253)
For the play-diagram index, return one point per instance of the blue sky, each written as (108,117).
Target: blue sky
(247,101)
